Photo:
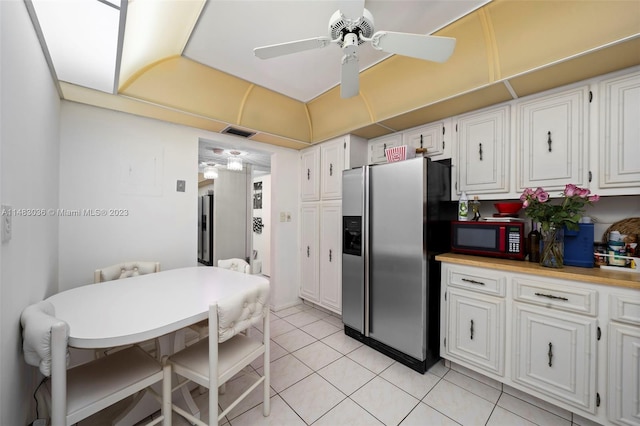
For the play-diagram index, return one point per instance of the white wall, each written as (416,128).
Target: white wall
(285,262)
(29,171)
(230,200)
(121,163)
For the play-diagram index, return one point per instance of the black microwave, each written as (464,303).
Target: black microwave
(489,238)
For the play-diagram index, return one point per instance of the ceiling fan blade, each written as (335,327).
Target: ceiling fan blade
(271,51)
(350,82)
(352,9)
(431,48)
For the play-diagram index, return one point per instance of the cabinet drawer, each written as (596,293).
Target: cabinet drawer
(624,308)
(478,280)
(555,295)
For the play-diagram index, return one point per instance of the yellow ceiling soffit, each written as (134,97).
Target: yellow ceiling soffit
(156,30)
(187,85)
(525,42)
(530,34)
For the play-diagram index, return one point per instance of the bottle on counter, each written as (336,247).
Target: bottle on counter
(475,208)
(463,207)
(534,243)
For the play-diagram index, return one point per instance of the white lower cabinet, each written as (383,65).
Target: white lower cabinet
(554,353)
(574,344)
(321,254)
(475,331)
(624,359)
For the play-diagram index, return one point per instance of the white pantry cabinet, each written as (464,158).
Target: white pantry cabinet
(483,151)
(321,217)
(321,254)
(552,136)
(619,141)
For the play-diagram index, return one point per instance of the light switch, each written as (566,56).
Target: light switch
(288,216)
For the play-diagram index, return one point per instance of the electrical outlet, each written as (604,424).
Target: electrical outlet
(6,223)
(181,185)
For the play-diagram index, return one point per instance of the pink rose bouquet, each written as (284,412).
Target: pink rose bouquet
(540,208)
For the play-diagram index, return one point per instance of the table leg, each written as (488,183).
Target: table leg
(145,404)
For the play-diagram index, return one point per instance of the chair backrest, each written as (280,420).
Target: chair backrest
(235,264)
(125,270)
(238,313)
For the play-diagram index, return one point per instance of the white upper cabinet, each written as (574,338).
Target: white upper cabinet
(309,177)
(432,137)
(619,141)
(552,135)
(378,145)
(483,151)
(322,166)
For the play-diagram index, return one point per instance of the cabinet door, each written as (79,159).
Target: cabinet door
(331,164)
(555,354)
(624,374)
(552,135)
(309,245)
(475,329)
(483,152)
(620,133)
(378,145)
(331,256)
(309,179)
(430,137)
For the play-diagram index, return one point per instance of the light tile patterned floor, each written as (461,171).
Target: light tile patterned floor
(320,376)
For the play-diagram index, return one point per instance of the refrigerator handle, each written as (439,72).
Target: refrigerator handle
(365,245)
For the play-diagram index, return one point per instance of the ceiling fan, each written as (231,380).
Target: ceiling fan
(351,26)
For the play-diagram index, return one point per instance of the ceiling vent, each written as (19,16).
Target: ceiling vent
(238,132)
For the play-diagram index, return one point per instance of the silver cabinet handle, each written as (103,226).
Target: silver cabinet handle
(467,280)
(308,174)
(308,251)
(330,169)
(550,354)
(471,330)
(480,151)
(330,255)
(551,296)
(549,140)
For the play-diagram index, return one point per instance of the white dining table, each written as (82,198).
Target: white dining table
(136,309)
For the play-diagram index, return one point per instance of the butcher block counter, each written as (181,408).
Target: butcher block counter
(589,275)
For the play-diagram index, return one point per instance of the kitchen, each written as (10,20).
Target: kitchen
(83,156)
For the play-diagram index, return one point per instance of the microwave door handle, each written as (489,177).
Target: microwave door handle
(501,239)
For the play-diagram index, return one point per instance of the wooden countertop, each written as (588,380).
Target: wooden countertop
(589,275)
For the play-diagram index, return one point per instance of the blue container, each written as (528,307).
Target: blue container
(578,246)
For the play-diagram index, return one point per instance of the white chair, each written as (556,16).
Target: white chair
(211,362)
(88,388)
(235,264)
(125,270)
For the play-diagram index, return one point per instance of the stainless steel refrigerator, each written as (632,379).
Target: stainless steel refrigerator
(205,229)
(396,218)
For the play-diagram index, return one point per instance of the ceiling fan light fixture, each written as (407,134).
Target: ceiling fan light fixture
(210,172)
(234,163)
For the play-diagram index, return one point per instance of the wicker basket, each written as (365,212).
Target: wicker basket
(629,226)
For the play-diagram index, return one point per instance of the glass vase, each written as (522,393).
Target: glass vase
(552,251)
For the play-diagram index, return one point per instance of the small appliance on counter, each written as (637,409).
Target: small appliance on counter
(495,237)
(578,246)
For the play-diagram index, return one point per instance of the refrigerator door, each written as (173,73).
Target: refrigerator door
(398,264)
(353,246)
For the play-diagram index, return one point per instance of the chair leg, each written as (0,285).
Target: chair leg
(167,411)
